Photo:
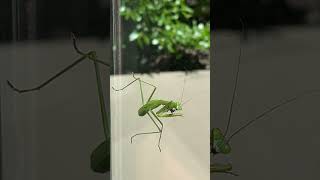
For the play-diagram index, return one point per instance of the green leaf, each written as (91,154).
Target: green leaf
(155,42)
(100,158)
(133,36)
(166,25)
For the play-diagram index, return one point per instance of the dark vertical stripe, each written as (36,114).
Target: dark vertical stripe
(1,134)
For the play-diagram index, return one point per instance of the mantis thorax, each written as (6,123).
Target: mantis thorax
(92,55)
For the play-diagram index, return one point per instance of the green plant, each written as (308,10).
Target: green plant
(166,26)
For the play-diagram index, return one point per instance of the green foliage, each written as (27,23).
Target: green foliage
(168,26)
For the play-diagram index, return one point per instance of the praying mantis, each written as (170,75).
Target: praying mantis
(220,142)
(168,108)
(100,157)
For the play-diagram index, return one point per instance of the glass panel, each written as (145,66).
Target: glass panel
(50,133)
(160,100)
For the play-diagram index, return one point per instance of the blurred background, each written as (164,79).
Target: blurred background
(34,19)
(279,59)
(51,134)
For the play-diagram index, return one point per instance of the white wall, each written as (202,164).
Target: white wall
(185,140)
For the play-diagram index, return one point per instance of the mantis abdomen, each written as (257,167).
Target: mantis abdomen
(152,104)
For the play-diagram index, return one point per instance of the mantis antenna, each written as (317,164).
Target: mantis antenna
(235,84)
(272,109)
(185,102)
(184,84)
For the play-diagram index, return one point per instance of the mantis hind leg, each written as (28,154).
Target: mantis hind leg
(154,132)
(160,129)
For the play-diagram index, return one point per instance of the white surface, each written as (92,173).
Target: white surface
(185,140)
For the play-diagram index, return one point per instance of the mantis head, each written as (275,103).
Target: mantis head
(219,143)
(170,109)
(174,106)
(177,106)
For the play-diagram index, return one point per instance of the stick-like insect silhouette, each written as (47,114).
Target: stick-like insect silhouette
(220,143)
(168,108)
(100,157)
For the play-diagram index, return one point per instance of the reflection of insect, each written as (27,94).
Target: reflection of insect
(100,157)
(220,143)
(167,109)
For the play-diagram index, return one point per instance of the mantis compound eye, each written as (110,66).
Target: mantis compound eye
(173,110)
